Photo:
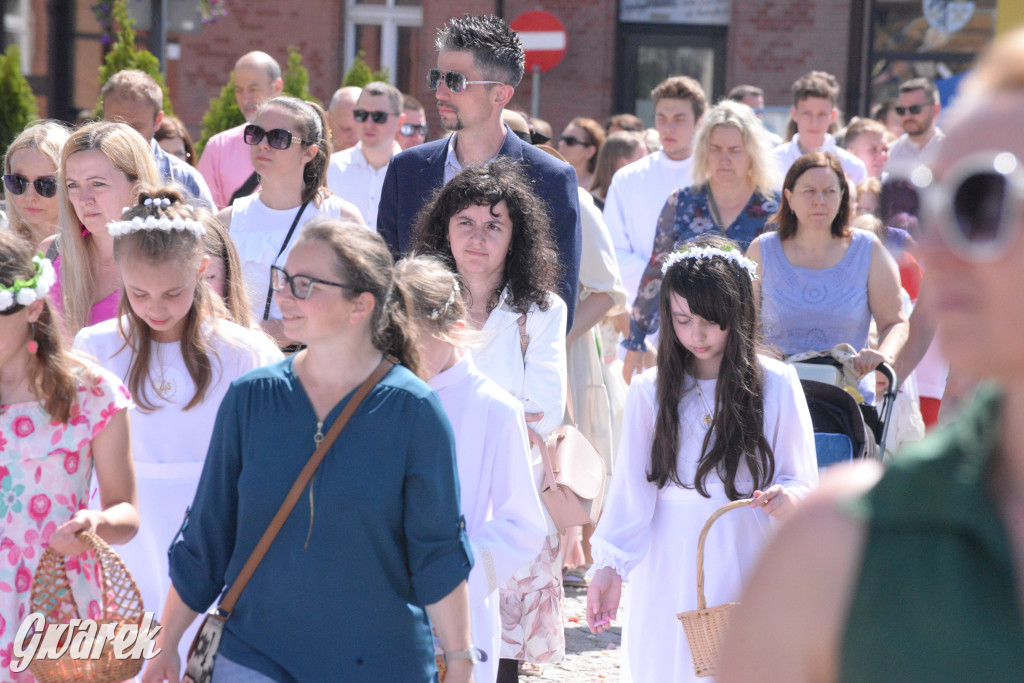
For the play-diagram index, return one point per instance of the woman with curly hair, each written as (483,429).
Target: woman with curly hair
(489,227)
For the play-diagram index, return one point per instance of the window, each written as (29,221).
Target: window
(18,31)
(388,34)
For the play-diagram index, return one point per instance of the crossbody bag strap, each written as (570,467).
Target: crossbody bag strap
(228,603)
(524,343)
(284,245)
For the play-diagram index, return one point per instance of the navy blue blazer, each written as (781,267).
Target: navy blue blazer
(415,174)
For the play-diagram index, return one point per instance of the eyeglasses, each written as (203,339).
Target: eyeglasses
(455,81)
(279,138)
(410,129)
(46,186)
(360,115)
(913,110)
(301,285)
(977,206)
(572,141)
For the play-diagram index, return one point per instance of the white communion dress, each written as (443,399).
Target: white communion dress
(649,535)
(169,444)
(504,518)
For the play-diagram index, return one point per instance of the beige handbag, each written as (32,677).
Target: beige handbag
(574,472)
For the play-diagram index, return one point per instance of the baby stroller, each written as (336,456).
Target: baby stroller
(843,428)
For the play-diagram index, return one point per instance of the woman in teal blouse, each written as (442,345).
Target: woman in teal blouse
(345,590)
(918,575)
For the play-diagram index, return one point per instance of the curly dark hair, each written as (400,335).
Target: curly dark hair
(531,268)
(721,292)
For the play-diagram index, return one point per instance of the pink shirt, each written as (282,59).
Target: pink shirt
(104,309)
(225,164)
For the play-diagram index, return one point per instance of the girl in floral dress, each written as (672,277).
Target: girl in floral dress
(58,417)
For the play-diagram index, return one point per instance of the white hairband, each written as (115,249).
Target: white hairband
(24,292)
(729,253)
(160,202)
(436,313)
(165,223)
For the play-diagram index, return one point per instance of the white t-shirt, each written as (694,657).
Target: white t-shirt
(259,231)
(636,196)
(351,177)
(788,152)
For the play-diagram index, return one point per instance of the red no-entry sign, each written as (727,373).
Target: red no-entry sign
(544,40)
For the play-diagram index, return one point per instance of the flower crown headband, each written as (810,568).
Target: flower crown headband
(436,313)
(24,292)
(727,252)
(165,223)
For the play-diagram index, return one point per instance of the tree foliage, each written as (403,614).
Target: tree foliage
(17,103)
(360,74)
(125,55)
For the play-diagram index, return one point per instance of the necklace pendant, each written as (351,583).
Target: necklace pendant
(707,420)
(319,436)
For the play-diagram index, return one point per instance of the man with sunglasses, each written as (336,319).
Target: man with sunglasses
(132,97)
(356,174)
(415,130)
(918,108)
(225,161)
(480,62)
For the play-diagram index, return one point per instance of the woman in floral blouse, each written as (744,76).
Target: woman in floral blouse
(733,194)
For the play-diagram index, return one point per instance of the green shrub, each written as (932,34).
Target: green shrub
(17,103)
(360,74)
(124,55)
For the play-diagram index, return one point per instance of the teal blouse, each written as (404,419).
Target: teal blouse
(340,594)
(936,599)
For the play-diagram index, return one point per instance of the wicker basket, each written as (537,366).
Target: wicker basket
(122,604)
(705,626)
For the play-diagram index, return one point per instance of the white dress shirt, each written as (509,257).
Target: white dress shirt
(351,177)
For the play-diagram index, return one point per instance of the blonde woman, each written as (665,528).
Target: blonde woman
(100,169)
(734,176)
(30,180)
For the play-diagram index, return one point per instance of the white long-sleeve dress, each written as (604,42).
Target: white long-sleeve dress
(504,518)
(649,535)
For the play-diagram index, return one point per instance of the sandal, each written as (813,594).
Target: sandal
(576,577)
(530,669)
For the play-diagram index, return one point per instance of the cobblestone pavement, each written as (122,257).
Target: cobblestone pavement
(588,657)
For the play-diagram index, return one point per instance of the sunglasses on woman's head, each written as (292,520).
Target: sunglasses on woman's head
(454,81)
(572,141)
(279,138)
(410,129)
(360,115)
(46,186)
(977,206)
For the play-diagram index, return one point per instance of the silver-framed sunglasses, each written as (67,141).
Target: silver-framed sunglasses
(455,81)
(977,206)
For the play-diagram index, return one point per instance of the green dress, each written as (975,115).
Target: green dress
(936,598)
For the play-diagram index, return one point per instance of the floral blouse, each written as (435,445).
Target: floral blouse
(686,216)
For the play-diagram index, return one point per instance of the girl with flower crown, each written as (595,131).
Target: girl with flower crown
(712,423)
(177,352)
(59,416)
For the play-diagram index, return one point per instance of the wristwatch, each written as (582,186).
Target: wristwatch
(473,654)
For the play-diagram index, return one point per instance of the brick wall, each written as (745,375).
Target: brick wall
(774,42)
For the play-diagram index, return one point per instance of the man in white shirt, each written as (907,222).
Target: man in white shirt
(638,192)
(918,108)
(815,96)
(357,174)
(344,133)
(225,162)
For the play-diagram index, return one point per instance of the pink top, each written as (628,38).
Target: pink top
(104,309)
(225,164)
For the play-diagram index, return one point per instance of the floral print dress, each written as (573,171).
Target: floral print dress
(686,216)
(45,468)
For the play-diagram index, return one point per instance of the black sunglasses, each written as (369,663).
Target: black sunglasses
(46,186)
(913,109)
(977,206)
(572,141)
(279,138)
(410,129)
(360,115)
(455,81)
(301,285)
